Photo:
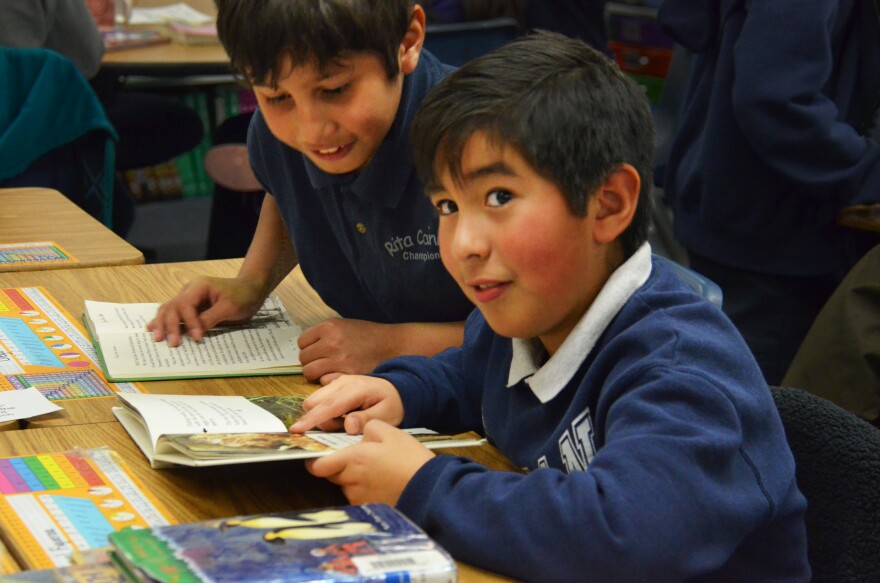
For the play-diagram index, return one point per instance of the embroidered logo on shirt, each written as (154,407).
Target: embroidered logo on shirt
(576,447)
(419,247)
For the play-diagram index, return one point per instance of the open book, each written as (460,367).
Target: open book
(266,345)
(196,430)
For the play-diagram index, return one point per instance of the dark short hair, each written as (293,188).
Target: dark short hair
(258,34)
(566,108)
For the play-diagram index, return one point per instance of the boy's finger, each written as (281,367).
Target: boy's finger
(191,322)
(308,337)
(212,316)
(376,430)
(330,466)
(330,377)
(320,414)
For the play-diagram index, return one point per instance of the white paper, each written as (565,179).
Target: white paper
(24,404)
(179,12)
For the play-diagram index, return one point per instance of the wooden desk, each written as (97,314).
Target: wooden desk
(168,60)
(42,214)
(193,494)
(157,283)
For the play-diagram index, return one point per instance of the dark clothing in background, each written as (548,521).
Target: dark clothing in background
(771,147)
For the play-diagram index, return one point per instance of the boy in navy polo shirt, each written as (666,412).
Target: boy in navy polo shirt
(337,88)
(652,445)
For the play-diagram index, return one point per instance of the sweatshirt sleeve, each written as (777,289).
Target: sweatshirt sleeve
(783,60)
(74,33)
(669,497)
(436,392)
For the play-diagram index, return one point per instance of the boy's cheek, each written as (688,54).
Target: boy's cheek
(451,266)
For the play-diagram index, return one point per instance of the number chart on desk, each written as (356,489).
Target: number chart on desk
(42,253)
(54,504)
(42,346)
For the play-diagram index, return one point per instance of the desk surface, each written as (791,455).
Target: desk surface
(41,214)
(157,283)
(168,60)
(192,494)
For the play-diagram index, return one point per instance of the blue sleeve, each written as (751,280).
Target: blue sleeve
(670,496)
(783,60)
(257,132)
(436,392)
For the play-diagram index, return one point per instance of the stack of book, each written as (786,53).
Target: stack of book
(364,543)
(370,542)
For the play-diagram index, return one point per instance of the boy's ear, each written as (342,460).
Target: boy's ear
(411,47)
(616,202)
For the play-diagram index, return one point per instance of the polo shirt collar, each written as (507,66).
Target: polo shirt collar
(384,178)
(547,379)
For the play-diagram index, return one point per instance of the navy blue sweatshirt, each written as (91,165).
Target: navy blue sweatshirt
(654,449)
(772,144)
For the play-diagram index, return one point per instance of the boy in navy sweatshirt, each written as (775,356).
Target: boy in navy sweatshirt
(337,83)
(652,445)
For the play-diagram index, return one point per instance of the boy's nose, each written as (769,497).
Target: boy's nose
(470,239)
(315,126)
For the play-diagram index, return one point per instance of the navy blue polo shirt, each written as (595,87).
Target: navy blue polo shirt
(367,240)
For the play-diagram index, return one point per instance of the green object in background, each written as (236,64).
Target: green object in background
(195,181)
(653,86)
(225,103)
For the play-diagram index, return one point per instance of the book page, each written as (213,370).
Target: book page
(167,414)
(220,351)
(267,341)
(111,317)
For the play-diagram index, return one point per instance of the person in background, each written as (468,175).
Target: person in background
(452,11)
(336,90)
(152,128)
(839,357)
(773,143)
(583,19)
(652,446)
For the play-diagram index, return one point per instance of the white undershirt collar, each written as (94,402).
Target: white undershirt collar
(547,380)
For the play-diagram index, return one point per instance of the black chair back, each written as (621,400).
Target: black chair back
(838,470)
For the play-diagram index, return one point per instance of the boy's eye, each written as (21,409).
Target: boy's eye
(276,99)
(445,207)
(498,198)
(335,91)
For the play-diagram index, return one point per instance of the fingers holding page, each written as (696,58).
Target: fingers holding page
(377,469)
(202,304)
(182,309)
(357,399)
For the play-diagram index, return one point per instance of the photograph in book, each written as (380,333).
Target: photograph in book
(265,345)
(199,430)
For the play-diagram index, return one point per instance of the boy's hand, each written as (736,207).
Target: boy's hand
(202,304)
(348,403)
(343,346)
(378,468)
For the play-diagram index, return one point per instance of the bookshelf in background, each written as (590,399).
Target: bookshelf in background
(640,48)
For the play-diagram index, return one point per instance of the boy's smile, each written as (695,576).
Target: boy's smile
(508,238)
(337,117)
